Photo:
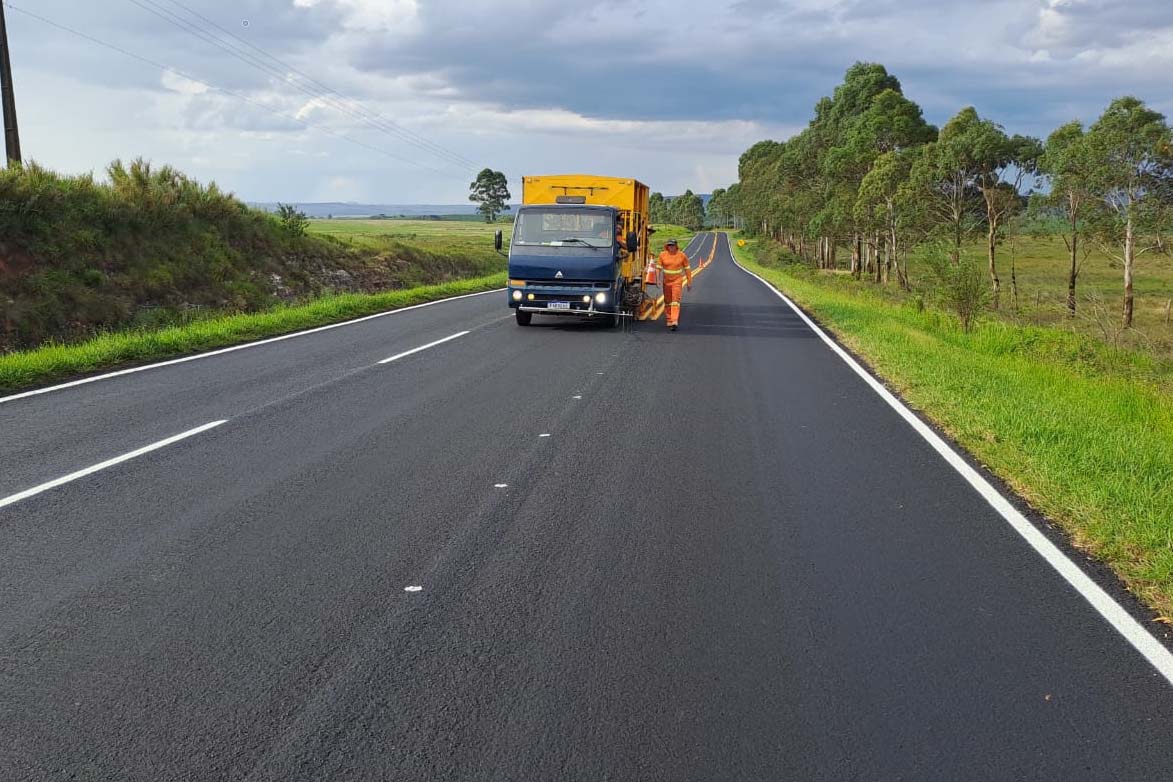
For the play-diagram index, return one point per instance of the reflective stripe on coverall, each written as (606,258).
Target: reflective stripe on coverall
(675,270)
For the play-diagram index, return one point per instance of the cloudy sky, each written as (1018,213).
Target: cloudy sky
(426,92)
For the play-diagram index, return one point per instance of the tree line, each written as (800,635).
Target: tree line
(687,210)
(870,180)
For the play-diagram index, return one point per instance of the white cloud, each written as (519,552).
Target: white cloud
(383,16)
(667,90)
(184,86)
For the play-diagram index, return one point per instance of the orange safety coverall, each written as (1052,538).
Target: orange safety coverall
(674,270)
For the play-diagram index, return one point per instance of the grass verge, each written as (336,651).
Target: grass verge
(1082,431)
(666,231)
(25,369)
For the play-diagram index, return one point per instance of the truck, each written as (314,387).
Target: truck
(579,248)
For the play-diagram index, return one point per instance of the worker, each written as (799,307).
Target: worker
(603,233)
(674,271)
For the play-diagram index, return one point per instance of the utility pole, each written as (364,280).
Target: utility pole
(7,98)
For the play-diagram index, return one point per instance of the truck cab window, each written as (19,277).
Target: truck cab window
(554,227)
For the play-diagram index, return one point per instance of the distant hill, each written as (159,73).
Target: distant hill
(351,209)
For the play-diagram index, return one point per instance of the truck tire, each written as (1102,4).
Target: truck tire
(523,318)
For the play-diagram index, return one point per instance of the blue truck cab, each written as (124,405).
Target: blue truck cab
(573,257)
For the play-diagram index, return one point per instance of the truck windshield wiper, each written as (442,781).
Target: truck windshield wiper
(580,241)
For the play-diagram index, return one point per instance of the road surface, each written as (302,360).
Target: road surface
(556,552)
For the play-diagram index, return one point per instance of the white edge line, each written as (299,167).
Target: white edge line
(73,476)
(407,353)
(1104,604)
(233,348)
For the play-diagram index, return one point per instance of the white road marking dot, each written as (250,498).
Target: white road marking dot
(413,589)
(578,397)
(500,485)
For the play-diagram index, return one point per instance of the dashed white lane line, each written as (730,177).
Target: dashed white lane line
(1104,604)
(544,435)
(578,397)
(73,476)
(234,348)
(413,588)
(500,485)
(413,351)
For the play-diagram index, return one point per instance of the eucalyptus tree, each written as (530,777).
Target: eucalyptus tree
(882,207)
(688,210)
(657,208)
(1067,163)
(714,210)
(1130,172)
(731,201)
(890,123)
(1000,164)
(942,182)
(755,170)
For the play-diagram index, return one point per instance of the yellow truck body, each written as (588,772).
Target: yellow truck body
(572,250)
(628,196)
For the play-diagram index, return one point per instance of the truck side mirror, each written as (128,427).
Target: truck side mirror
(632,241)
(498,241)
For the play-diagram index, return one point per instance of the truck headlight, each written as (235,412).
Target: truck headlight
(586,299)
(530,297)
(517,295)
(601,298)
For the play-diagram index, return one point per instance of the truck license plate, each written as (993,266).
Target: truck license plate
(558,305)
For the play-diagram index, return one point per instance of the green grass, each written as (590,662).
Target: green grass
(450,237)
(666,231)
(1084,431)
(146,248)
(1041,267)
(49,362)
(1041,263)
(470,239)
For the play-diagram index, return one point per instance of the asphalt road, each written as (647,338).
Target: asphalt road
(729,559)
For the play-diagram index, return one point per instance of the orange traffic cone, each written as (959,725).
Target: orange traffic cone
(650,273)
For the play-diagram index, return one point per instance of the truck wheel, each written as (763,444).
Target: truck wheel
(523,318)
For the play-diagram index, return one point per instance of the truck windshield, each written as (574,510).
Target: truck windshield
(557,227)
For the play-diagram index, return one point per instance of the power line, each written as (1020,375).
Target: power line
(374,114)
(221,90)
(322,93)
(154,8)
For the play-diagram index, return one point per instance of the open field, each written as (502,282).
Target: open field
(1081,429)
(463,237)
(452,237)
(1041,265)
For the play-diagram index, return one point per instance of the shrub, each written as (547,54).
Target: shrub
(293,221)
(961,287)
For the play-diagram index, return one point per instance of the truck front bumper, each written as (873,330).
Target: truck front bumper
(578,300)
